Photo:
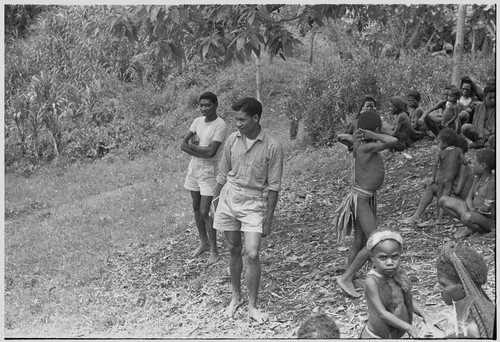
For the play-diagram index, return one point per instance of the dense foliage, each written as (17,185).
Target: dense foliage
(83,81)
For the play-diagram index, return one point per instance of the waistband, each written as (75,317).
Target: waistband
(204,161)
(245,191)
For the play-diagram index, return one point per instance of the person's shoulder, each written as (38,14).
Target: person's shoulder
(221,121)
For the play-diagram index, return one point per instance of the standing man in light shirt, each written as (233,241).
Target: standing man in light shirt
(203,140)
(252,160)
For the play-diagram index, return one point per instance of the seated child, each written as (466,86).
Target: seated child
(358,208)
(388,290)
(451,118)
(418,129)
(461,272)
(461,185)
(446,165)
(369,103)
(402,127)
(318,327)
(477,212)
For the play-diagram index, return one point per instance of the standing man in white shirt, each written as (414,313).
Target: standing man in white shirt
(203,140)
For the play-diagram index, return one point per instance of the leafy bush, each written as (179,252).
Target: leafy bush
(333,90)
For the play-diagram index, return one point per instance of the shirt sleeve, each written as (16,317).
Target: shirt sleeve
(220,131)
(194,125)
(225,162)
(275,171)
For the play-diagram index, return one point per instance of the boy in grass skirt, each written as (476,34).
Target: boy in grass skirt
(359,206)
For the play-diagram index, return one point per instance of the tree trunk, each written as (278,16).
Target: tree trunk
(484,47)
(258,78)
(430,40)
(458,51)
(413,36)
(473,45)
(311,49)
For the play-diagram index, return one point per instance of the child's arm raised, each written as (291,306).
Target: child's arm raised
(372,295)
(437,106)
(385,139)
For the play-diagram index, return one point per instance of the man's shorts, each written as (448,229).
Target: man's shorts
(201,176)
(239,209)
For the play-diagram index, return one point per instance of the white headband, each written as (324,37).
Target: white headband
(381,235)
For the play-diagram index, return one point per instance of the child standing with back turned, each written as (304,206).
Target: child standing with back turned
(388,290)
(359,207)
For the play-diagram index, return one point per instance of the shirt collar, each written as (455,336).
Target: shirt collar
(259,137)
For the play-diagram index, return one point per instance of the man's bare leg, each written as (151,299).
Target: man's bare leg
(200,224)
(252,245)
(477,222)
(211,233)
(367,224)
(235,267)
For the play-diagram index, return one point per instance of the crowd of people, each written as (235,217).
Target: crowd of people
(235,180)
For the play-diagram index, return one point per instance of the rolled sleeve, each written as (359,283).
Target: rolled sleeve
(275,171)
(224,163)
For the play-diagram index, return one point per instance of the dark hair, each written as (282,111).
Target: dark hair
(318,327)
(448,136)
(448,86)
(486,157)
(462,143)
(369,120)
(415,95)
(209,96)
(248,105)
(369,98)
(473,262)
(489,89)
(455,92)
(475,90)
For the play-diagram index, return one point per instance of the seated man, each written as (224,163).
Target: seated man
(482,129)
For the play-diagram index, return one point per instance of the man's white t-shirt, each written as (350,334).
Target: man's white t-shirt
(210,131)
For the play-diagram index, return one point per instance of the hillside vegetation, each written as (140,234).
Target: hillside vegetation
(98,226)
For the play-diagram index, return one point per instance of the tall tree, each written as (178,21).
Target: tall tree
(459,45)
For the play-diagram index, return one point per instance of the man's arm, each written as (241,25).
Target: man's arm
(272,200)
(437,106)
(205,151)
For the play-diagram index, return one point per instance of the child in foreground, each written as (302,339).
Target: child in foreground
(388,290)
(358,208)
(318,327)
(461,272)
(446,165)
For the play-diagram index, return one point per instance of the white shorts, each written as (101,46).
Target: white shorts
(239,209)
(201,177)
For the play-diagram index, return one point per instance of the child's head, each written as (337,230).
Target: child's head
(485,160)
(369,103)
(413,98)
(450,264)
(398,105)
(446,91)
(369,121)
(318,327)
(447,137)
(462,143)
(453,94)
(489,96)
(385,248)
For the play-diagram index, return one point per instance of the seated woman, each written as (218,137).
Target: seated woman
(477,212)
(471,96)
(483,127)
(461,272)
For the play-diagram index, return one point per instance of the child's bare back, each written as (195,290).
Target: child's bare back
(449,163)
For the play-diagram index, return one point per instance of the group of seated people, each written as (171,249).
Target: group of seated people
(463,119)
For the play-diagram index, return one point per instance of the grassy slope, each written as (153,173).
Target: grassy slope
(102,249)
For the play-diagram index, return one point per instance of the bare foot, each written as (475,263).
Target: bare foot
(233,306)
(410,220)
(257,315)
(348,287)
(463,233)
(214,257)
(200,250)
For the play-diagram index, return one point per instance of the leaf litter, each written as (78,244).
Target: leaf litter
(300,261)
